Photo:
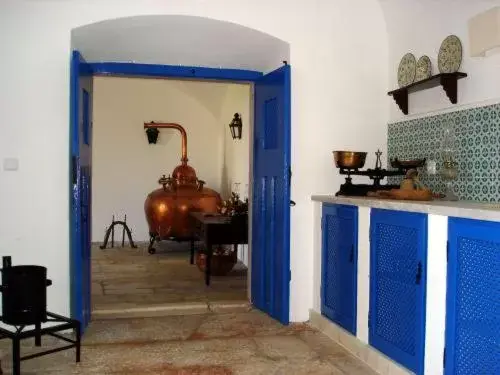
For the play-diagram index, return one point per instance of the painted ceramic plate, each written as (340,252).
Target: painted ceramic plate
(424,68)
(406,70)
(450,55)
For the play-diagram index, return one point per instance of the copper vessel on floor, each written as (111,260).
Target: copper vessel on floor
(167,208)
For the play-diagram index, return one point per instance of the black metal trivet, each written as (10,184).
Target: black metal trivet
(20,333)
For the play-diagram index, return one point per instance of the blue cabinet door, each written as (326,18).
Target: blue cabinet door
(398,253)
(339,265)
(473,298)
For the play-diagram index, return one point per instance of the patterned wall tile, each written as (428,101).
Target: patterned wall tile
(478,149)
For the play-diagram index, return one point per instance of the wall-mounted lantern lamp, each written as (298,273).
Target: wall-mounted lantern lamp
(152,134)
(235,126)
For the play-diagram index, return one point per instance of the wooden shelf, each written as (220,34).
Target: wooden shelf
(447,80)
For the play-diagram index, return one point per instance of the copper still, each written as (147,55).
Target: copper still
(167,208)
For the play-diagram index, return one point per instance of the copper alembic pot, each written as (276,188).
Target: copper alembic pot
(167,208)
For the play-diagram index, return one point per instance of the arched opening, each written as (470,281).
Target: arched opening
(180,40)
(162,46)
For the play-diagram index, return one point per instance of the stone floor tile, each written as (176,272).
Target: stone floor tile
(229,306)
(196,345)
(279,348)
(143,330)
(130,278)
(247,324)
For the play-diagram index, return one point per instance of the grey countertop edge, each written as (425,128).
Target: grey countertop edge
(464,209)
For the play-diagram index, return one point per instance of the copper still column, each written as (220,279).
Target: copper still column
(167,208)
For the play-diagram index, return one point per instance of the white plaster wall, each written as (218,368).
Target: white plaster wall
(419,27)
(317,256)
(363,297)
(236,152)
(435,316)
(236,155)
(126,168)
(338,54)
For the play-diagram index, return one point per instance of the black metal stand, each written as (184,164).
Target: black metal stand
(152,238)
(111,231)
(155,237)
(20,334)
(377,174)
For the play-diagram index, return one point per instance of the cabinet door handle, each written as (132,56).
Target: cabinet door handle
(351,256)
(418,278)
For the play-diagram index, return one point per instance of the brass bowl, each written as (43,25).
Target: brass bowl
(349,159)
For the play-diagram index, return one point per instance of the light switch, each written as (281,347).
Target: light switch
(10,164)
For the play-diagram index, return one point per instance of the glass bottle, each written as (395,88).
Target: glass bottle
(449,171)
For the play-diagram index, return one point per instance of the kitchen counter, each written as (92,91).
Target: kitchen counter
(464,209)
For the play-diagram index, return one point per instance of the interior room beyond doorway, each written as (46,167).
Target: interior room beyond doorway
(126,168)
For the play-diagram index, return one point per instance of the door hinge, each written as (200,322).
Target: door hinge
(351,256)
(73,170)
(289,275)
(447,250)
(418,277)
(369,319)
(444,358)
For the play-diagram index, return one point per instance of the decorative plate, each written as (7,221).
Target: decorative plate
(424,68)
(450,55)
(406,70)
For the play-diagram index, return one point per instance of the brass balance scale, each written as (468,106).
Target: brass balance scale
(350,163)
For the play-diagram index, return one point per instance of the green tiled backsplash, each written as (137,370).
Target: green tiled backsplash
(478,149)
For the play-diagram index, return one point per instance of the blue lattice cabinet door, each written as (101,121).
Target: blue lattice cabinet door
(398,259)
(339,265)
(473,298)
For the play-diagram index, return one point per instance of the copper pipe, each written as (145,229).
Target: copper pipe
(169,125)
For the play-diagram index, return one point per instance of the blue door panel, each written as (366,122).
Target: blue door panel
(271,195)
(339,265)
(81,188)
(398,262)
(473,298)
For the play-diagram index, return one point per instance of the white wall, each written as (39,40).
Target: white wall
(236,151)
(126,168)
(236,154)
(338,54)
(419,27)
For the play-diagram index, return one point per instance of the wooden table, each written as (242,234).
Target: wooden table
(215,229)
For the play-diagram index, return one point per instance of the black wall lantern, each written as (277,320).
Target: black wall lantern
(152,134)
(235,126)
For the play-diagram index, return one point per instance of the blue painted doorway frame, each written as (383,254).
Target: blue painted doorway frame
(205,74)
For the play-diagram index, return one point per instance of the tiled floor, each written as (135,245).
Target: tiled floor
(126,278)
(208,344)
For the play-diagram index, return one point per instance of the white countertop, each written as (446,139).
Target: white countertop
(465,209)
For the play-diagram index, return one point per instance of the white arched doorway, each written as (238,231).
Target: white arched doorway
(164,46)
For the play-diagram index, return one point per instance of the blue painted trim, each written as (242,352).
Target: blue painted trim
(172,71)
(420,222)
(287,135)
(74,214)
